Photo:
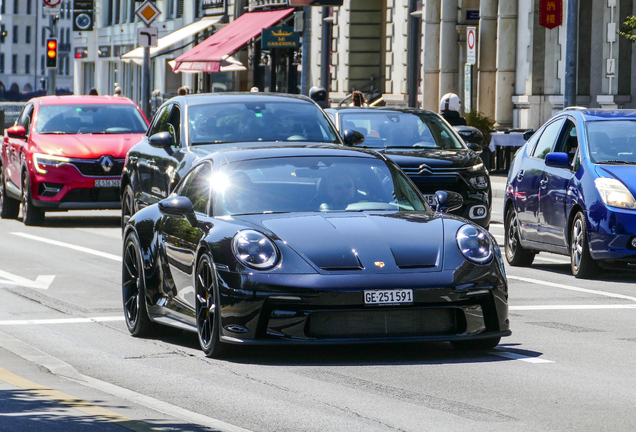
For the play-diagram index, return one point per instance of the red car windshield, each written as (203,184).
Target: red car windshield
(90,119)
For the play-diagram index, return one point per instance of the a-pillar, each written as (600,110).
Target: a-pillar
(487,63)
(448,49)
(506,61)
(430,52)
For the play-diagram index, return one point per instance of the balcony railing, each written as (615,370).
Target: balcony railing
(259,4)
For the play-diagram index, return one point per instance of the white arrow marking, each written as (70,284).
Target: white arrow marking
(41,282)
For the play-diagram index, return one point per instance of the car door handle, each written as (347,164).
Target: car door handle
(520,175)
(544,183)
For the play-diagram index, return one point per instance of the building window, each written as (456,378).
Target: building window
(1,62)
(28,34)
(109,13)
(68,10)
(68,37)
(117,11)
(43,35)
(15,34)
(170,13)
(16,7)
(14,64)
(3,9)
(179,8)
(42,68)
(29,7)
(2,30)
(66,66)
(27,64)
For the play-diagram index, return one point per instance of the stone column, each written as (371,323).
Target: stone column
(430,44)
(448,49)
(487,61)
(506,59)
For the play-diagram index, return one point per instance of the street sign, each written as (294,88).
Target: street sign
(53,10)
(83,15)
(147,37)
(550,13)
(52,3)
(148,12)
(471,45)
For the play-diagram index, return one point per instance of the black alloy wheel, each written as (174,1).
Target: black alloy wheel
(127,206)
(133,289)
(31,215)
(476,344)
(9,208)
(581,261)
(516,255)
(208,310)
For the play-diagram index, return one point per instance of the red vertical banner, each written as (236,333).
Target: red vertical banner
(550,13)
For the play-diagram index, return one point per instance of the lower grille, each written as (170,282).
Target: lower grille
(89,195)
(386,323)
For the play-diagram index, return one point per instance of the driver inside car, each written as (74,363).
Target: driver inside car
(341,191)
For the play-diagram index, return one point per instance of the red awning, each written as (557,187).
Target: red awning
(207,56)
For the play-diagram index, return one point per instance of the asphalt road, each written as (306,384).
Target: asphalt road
(68,363)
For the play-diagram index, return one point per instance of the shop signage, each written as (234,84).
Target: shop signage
(83,15)
(103,51)
(315,2)
(550,13)
(213,7)
(280,37)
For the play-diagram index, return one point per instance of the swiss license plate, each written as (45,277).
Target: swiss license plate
(107,183)
(388,297)
(431,200)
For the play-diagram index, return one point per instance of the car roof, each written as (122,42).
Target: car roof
(212,98)
(360,110)
(249,153)
(603,114)
(83,100)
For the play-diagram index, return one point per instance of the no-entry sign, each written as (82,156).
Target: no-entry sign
(471,45)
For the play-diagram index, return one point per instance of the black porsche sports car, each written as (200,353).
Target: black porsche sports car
(310,245)
(428,149)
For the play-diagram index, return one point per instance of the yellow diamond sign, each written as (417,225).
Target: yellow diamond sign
(148,12)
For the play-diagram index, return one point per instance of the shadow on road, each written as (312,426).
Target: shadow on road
(606,275)
(66,220)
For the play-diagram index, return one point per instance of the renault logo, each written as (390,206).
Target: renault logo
(107,163)
(379,264)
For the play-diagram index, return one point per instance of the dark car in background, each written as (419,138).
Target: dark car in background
(429,150)
(310,245)
(67,153)
(186,128)
(571,191)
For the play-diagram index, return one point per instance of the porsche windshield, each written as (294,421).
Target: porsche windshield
(401,129)
(301,184)
(259,121)
(90,119)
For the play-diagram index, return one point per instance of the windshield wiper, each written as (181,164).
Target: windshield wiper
(54,133)
(616,162)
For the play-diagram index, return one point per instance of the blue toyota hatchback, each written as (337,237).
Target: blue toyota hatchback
(571,191)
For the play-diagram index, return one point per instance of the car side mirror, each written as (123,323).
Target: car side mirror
(448,201)
(352,137)
(17,132)
(557,160)
(475,147)
(527,134)
(178,206)
(162,140)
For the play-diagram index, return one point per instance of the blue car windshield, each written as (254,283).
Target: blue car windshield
(301,184)
(401,129)
(612,142)
(90,119)
(259,121)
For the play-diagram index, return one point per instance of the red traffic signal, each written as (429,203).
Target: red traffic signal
(51,53)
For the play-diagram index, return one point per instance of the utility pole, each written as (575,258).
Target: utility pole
(145,82)
(326,50)
(306,66)
(569,98)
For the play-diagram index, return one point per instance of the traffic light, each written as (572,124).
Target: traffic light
(51,53)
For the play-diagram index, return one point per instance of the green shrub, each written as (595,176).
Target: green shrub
(482,122)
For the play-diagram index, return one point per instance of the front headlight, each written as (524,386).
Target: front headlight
(479,182)
(254,250)
(474,244)
(614,193)
(475,167)
(43,161)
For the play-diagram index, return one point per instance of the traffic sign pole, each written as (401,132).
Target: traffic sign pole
(148,12)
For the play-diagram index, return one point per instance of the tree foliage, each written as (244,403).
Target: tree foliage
(482,122)
(627,31)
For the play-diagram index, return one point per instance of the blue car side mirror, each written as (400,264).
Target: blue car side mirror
(557,159)
(448,201)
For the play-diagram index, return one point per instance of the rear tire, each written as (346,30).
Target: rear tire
(31,215)
(476,344)
(581,261)
(9,208)
(134,290)
(516,255)
(208,310)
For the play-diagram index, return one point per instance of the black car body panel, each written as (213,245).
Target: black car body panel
(315,294)
(434,169)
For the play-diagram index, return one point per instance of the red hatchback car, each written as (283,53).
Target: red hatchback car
(67,153)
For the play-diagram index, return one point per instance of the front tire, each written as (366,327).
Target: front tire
(134,290)
(31,215)
(208,310)
(9,208)
(476,344)
(581,261)
(516,255)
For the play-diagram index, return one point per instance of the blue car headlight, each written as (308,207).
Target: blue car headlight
(475,244)
(255,250)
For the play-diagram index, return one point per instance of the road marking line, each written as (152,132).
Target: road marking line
(61,321)
(520,357)
(75,403)
(571,288)
(571,307)
(69,246)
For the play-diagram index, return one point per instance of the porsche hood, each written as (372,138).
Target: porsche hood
(380,243)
